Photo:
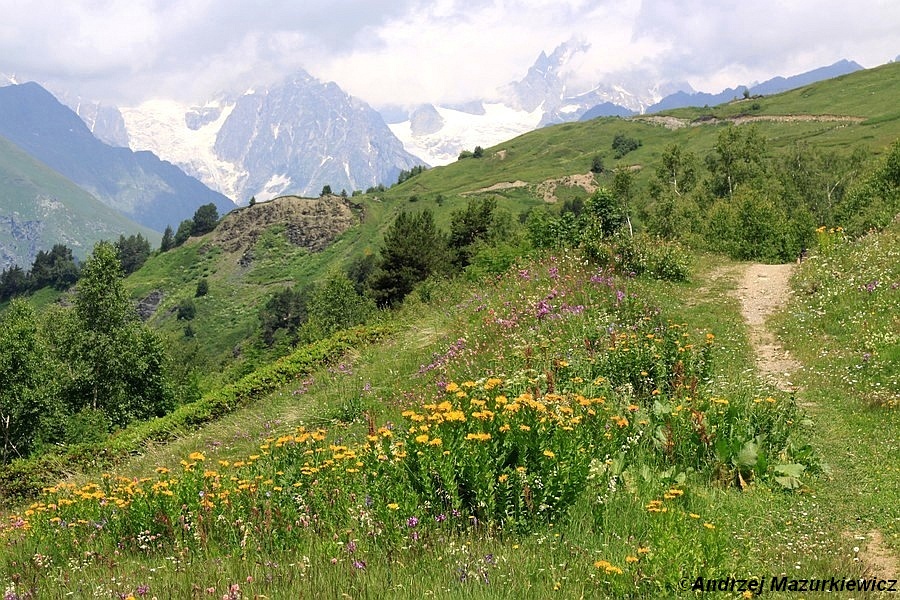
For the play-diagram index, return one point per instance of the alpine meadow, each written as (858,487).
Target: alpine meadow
(643,357)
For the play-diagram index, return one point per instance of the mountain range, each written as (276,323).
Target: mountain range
(294,137)
(543,97)
(40,208)
(139,185)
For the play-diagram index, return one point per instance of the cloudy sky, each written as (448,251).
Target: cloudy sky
(411,51)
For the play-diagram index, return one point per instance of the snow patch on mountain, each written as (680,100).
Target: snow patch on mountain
(173,131)
(274,187)
(464,130)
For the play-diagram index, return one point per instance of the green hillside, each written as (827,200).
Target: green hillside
(535,164)
(864,102)
(590,406)
(39,208)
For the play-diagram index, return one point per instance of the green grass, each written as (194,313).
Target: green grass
(228,316)
(755,532)
(844,328)
(745,524)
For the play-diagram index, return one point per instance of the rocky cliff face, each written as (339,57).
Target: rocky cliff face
(311,223)
(291,138)
(303,134)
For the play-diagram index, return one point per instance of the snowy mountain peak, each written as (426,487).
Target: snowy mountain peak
(542,83)
(293,137)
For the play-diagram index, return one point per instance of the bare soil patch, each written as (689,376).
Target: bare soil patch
(877,559)
(547,189)
(503,185)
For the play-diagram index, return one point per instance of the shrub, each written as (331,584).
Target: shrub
(187,310)
(622,144)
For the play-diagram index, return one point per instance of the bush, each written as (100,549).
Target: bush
(187,310)
(623,144)
(640,255)
(202,288)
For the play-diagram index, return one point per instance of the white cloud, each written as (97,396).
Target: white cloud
(413,51)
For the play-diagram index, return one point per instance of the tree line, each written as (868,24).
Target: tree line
(58,268)
(750,204)
(77,372)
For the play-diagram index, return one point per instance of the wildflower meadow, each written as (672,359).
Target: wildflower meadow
(564,398)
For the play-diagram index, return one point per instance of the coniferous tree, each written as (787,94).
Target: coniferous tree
(468,228)
(133,252)
(205,219)
(13,282)
(55,268)
(414,249)
(168,240)
(284,311)
(184,231)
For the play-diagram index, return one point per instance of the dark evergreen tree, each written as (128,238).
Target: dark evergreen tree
(285,311)
(205,219)
(414,249)
(55,268)
(469,227)
(184,231)
(187,310)
(13,282)
(168,240)
(133,252)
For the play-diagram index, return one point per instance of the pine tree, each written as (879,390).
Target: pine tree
(168,240)
(414,249)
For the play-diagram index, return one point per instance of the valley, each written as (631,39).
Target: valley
(583,362)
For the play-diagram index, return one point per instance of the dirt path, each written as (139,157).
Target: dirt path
(762,291)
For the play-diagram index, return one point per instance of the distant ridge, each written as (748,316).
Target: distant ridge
(771,86)
(138,184)
(40,208)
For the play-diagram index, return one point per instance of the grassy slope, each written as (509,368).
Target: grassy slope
(229,313)
(568,148)
(848,339)
(69,214)
(758,532)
